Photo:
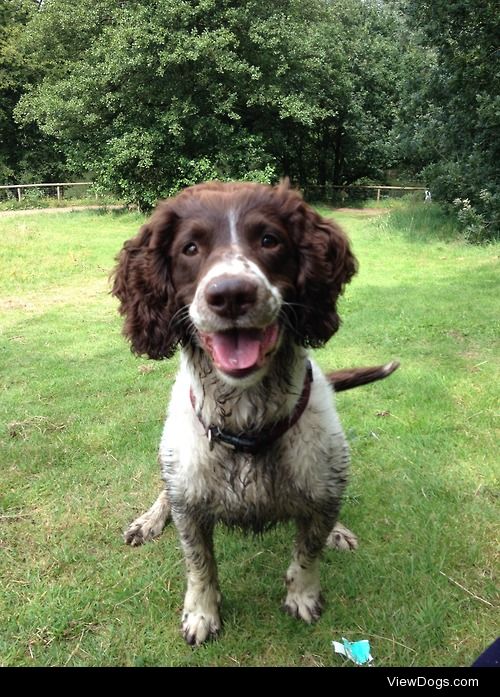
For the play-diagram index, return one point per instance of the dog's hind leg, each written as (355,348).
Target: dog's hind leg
(150,524)
(341,538)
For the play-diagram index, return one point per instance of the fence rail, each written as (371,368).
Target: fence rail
(344,189)
(376,186)
(58,186)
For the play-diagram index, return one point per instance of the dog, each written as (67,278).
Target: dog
(245,278)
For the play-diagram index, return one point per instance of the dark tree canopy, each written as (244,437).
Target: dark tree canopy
(147,96)
(150,96)
(25,153)
(450,121)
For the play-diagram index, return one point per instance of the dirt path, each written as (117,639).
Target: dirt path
(36,302)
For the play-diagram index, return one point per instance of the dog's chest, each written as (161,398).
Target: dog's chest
(302,469)
(251,491)
(246,487)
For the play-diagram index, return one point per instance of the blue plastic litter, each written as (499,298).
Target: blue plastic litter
(356,651)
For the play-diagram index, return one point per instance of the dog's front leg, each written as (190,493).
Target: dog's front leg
(200,617)
(304,599)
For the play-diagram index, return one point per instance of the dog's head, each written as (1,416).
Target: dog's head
(233,268)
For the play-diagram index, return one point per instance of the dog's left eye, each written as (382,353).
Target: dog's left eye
(269,241)
(190,249)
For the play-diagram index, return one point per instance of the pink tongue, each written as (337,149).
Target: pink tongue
(236,350)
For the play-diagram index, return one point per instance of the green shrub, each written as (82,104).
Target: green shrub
(468,190)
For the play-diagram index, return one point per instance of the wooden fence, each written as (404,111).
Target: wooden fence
(324,190)
(343,190)
(383,188)
(58,186)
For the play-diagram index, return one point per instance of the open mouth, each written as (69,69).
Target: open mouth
(239,352)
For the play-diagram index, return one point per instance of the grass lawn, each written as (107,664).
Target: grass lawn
(80,422)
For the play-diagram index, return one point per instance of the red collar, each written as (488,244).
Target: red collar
(259,440)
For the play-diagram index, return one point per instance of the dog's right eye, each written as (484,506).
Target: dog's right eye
(269,241)
(190,249)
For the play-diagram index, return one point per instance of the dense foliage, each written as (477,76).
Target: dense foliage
(151,96)
(450,124)
(26,154)
(147,96)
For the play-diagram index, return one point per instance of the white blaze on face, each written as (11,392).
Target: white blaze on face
(233,219)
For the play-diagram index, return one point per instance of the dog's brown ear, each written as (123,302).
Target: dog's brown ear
(141,281)
(327,264)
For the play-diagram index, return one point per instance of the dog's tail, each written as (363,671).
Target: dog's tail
(348,378)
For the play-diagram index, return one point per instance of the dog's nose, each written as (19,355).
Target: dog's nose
(230,296)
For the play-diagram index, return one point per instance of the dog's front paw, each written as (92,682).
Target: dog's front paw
(197,628)
(342,538)
(304,606)
(303,600)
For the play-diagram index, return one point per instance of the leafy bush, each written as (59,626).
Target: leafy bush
(33,197)
(467,189)
(478,222)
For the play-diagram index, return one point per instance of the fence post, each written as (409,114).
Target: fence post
(19,194)
(58,192)
(378,194)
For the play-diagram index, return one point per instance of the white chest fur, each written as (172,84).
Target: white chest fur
(306,465)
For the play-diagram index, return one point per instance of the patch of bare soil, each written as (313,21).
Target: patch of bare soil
(63,295)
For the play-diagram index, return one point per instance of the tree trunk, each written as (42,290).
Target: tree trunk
(338,164)
(323,156)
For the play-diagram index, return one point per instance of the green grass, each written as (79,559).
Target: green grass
(80,422)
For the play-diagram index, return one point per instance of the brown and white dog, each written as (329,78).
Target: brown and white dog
(244,277)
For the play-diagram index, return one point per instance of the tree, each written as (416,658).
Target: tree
(151,96)
(451,124)
(25,153)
